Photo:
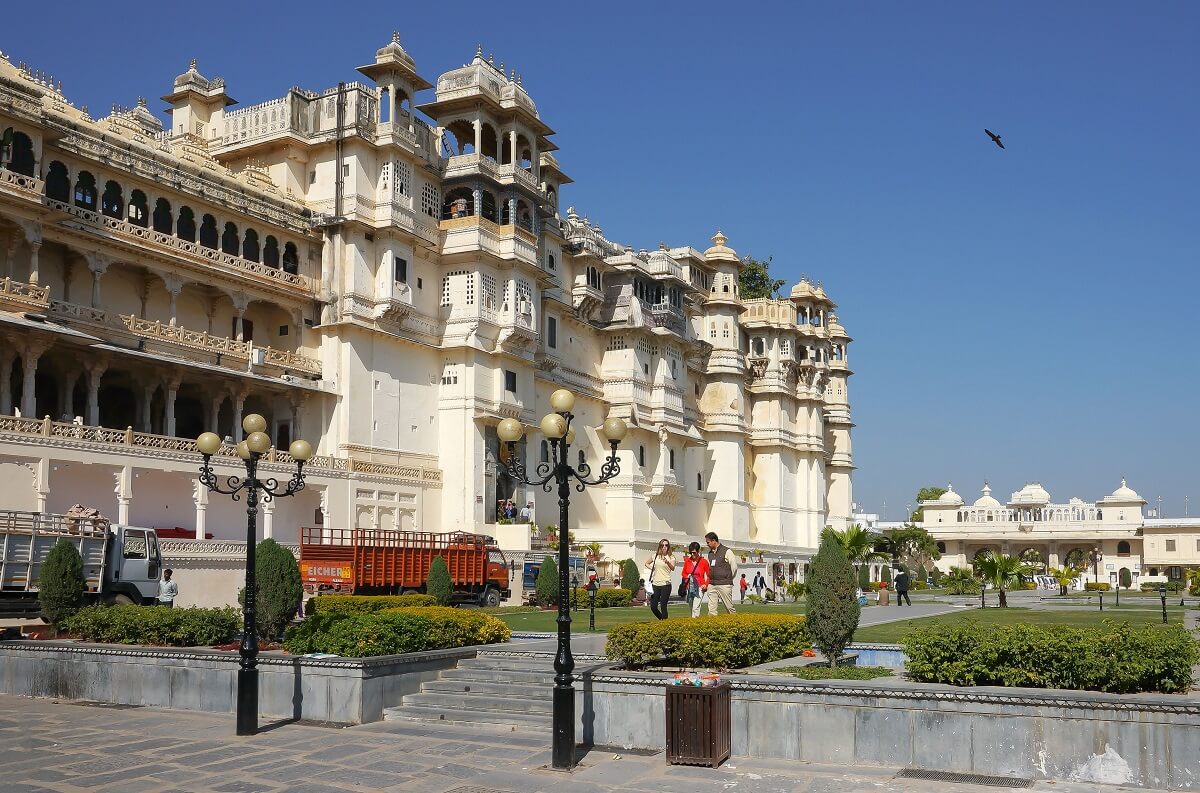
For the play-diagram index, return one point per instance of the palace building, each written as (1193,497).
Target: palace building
(384,268)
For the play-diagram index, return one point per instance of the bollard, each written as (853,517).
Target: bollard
(1101,591)
(982,592)
(1118,596)
(1162,591)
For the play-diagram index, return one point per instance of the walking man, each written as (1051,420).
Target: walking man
(902,587)
(722,566)
(760,583)
(167,590)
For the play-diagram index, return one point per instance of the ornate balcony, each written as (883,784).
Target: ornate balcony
(29,188)
(475,233)
(669,317)
(20,296)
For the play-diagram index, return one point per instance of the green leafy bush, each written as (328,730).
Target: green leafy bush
(729,641)
(149,625)
(936,576)
(605,598)
(547,583)
(1125,578)
(833,608)
(60,585)
(961,581)
(1093,586)
(864,576)
(1193,577)
(918,584)
(630,573)
(1173,587)
(365,604)
(836,673)
(437,583)
(280,590)
(394,631)
(1116,658)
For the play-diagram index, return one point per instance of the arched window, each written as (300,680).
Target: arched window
(229,240)
(271,252)
(18,152)
(641,455)
(58,182)
(941,546)
(85,191)
(250,245)
(185,229)
(759,346)
(163,222)
(208,232)
(112,204)
(671,457)
(139,212)
(458,204)
(1099,514)
(489,207)
(1123,548)
(291,259)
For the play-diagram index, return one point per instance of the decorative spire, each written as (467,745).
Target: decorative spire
(719,239)
(492,58)
(192,67)
(519,78)
(478,50)
(141,101)
(395,37)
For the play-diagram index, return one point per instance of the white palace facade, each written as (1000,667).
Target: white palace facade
(383,268)
(1103,538)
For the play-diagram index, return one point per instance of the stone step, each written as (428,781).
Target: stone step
(433,713)
(493,686)
(480,702)
(493,675)
(509,662)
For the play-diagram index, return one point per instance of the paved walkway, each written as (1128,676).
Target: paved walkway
(51,747)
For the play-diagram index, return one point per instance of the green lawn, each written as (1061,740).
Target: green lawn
(543,621)
(895,631)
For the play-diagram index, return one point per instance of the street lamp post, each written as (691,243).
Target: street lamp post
(592,587)
(1097,556)
(556,426)
(251,450)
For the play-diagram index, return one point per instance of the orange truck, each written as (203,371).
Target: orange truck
(390,562)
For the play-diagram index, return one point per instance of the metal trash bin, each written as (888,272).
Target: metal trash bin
(698,724)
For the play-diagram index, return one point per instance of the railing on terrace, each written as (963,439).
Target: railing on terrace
(175,245)
(24,294)
(30,185)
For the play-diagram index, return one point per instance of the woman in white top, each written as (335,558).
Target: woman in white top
(660,566)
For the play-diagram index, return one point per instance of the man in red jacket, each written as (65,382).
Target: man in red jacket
(695,578)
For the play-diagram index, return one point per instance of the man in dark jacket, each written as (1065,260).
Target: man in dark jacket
(902,587)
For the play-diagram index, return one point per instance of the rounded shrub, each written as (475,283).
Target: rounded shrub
(630,573)
(833,608)
(437,583)
(547,583)
(394,631)
(278,587)
(605,598)
(365,604)
(156,627)
(727,641)
(61,584)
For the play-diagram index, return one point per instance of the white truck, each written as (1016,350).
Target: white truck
(121,564)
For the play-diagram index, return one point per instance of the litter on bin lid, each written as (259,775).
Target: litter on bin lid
(694,679)
(319,655)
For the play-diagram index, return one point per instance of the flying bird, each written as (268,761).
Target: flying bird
(995,138)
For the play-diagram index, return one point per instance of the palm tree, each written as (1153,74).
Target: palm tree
(961,581)
(1064,576)
(858,543)
(593,551)
(1002,571)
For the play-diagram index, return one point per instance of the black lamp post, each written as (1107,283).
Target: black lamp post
(251,450)
(556,426)
(574,592)
(1162,593)
(592,587)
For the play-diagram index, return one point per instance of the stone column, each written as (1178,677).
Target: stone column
(512,211)
(200,499)
(34,247)
(8,356)
(170,391)
(268,520)
(32,231)
(477,201)
(10,250)
(29,362)
(147,406)
(123,480)
(144,295)
(214,413)
(174,286)
(43,483)
(478,126)
(98,265)
(239,402)
(95,371)
(66,396)
(240,302)
(512,148)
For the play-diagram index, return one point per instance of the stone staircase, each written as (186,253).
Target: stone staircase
(505,689)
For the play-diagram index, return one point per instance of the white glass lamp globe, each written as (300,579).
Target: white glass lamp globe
(510,430)
(300,450)
(553,426)
(258,442)
(614,429)
(254,423)
(562,401)
(209,443)
(243,450)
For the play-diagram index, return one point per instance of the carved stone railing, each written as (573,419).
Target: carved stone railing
(27,186)
(24,295)
(291,360)
(173,245)
(197,340)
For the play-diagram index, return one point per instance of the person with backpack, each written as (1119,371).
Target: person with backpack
(694,585)
(902,588)
(743,585)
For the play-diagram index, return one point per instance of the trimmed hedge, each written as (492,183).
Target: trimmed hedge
(837,673)
(394,631)
(728,641)
(154,626)
(364,604)
(1173,587)
(1093,586)
(605,598)
(61,592)
(1116,658)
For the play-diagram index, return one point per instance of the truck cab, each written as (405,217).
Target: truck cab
(135,566)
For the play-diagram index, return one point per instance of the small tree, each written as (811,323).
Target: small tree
(887,574)
(547,583)
(936,575)
(1002,571)
(60,586)
(833,609)
(1125,578)
(864,577)
(630,575)
(279,588)
(437,583)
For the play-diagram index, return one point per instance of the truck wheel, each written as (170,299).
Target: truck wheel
(120,600)
(490,598)
(410,592)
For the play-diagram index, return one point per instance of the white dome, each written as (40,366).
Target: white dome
(1125,493)
(1032,493)
(986,501)
(950,497)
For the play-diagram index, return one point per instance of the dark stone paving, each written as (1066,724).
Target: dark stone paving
(52,747)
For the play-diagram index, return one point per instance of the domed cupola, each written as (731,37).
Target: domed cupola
(950,498)
(986,501)
(1123,495)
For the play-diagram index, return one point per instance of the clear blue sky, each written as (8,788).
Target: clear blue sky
(1027,314)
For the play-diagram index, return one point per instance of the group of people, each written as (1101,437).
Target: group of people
(704,577)
(759,584)
(506,508)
